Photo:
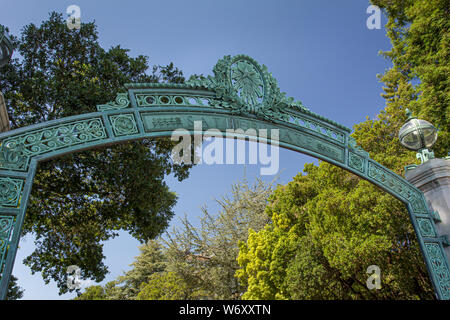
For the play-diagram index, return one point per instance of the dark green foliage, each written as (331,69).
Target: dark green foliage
(194,262)
(81,200)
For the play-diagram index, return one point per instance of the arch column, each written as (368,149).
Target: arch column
(433,179)
(15,189)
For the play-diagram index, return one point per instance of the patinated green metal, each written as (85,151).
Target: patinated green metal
(6,46)
(241,94)
(423,134)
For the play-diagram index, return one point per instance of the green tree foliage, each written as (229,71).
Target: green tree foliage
(205,256)
(93,293)
(14,291)
(81,200)
(197,262)
(164,286)
(151,260)
(328,226)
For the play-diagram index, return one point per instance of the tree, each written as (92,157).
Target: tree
(205,256)
(151,260)
(419,33)
(197,262)
(14,291)
(328,226)
(93,293)
(81,200)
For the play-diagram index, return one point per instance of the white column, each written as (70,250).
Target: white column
(433,179)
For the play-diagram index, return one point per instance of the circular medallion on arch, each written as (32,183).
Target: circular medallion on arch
(124,124)
(426,227)
(248,81)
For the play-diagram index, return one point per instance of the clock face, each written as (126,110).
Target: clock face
(248,82)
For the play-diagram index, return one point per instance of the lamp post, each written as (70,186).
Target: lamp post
(432,176)
(6,50)
(418,135)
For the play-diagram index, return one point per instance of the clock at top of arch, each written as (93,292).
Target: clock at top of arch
(242,84)
(248,82)
(239,83)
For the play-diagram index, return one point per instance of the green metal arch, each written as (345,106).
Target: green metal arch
(242,94)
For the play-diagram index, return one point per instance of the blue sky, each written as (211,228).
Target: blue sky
(321,52)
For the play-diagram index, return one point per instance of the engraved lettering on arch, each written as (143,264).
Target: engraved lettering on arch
(326,150)
(218,122)
(190,121)
(243,125)
(207,123)
(298,139)
(230,123)
(287,137)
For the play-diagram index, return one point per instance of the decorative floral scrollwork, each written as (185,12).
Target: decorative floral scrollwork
(53,138)
(440,269)
(10,190)
(426,228)
(356,162)
(241,86)
(417,202)
(123,124)
(13,159)
(244,86)
(398,186)
(122,101)
(6,226)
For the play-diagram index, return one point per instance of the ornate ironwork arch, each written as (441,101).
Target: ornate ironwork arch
(241,94)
